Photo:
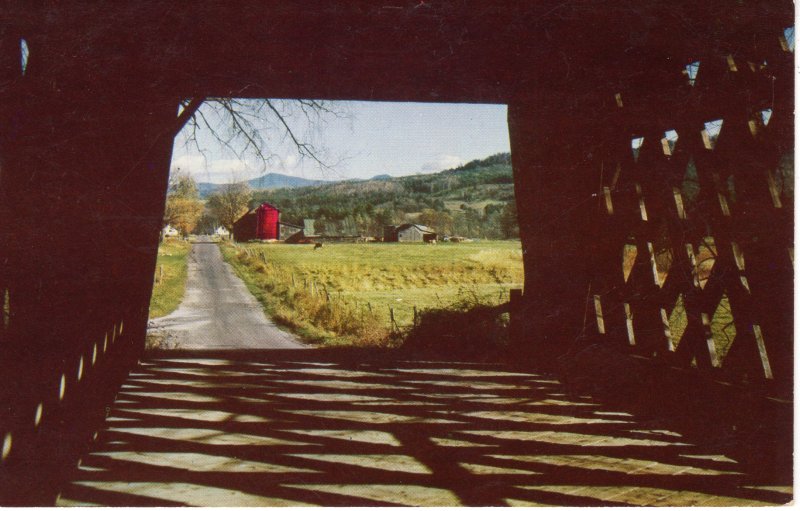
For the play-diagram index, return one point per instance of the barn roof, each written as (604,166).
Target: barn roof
(421,227)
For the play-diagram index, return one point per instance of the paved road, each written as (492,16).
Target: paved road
(218,312)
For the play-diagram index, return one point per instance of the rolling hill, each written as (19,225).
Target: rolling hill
(474,200)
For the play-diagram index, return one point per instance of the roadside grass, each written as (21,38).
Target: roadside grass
(169,281)
(347,294)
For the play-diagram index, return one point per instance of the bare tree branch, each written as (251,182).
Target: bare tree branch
(254,129)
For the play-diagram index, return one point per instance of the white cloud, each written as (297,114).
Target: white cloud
(214,171)
(442,162)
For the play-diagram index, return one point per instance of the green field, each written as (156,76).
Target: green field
(169,282)
(347,293)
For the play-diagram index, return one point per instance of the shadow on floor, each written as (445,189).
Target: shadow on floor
(341,428)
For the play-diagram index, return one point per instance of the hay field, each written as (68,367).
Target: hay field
(348,293)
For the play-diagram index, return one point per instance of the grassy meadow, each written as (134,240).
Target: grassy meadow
(348,293)
(169,282)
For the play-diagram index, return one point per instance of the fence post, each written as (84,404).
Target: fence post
(392,322)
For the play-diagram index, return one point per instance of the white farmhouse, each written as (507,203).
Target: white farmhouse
(168,231)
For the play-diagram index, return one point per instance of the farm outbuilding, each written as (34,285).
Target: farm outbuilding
(414,232)
(285,230)
(259,223)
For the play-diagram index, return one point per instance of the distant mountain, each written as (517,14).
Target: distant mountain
(269,181)
(381,177)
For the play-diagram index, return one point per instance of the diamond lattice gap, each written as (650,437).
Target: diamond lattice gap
(629,252)
(706,257)
(788,39)
(662,264)
(669,141)
(691,71)
(711,133)
(766,115)
(723,330)
(636,145)
(678,321)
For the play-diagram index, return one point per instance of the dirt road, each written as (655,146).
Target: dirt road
(218,312)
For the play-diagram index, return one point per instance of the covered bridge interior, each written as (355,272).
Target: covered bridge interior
(610,104)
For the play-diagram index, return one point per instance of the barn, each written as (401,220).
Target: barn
(259,223)
(415,232)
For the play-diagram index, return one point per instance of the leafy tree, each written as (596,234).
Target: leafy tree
(183,208)
(229,203)
(183,185)
(183,214)
(439,221)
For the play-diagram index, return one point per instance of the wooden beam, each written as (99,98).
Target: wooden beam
(555,177)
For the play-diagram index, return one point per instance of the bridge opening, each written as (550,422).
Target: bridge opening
(605,127)
(349,223)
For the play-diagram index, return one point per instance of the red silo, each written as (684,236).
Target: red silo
(268,218)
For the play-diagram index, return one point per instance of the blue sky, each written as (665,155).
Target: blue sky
(373,138)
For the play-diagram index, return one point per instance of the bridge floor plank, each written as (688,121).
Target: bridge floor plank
(312,427)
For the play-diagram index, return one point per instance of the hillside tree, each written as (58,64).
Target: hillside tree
(229,203)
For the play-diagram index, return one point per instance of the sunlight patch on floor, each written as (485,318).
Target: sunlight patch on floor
(499,401)
(465,373)
(401,495)
(344,385)
(608,463)
(334,373)
(368,417)
(336,398)
(477,469)
(570,438)
(191,397)
(153,384)
(540,418)
(645,496)
(389,462)
(206,436)
(450,442)
(351,435)
(187,494)
(189,414)
(478,385)
(158,362)
(196,462)
(454,395)
(524,503)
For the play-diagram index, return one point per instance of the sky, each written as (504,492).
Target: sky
(372,138)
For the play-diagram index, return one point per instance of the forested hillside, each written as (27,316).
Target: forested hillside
(474,200)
